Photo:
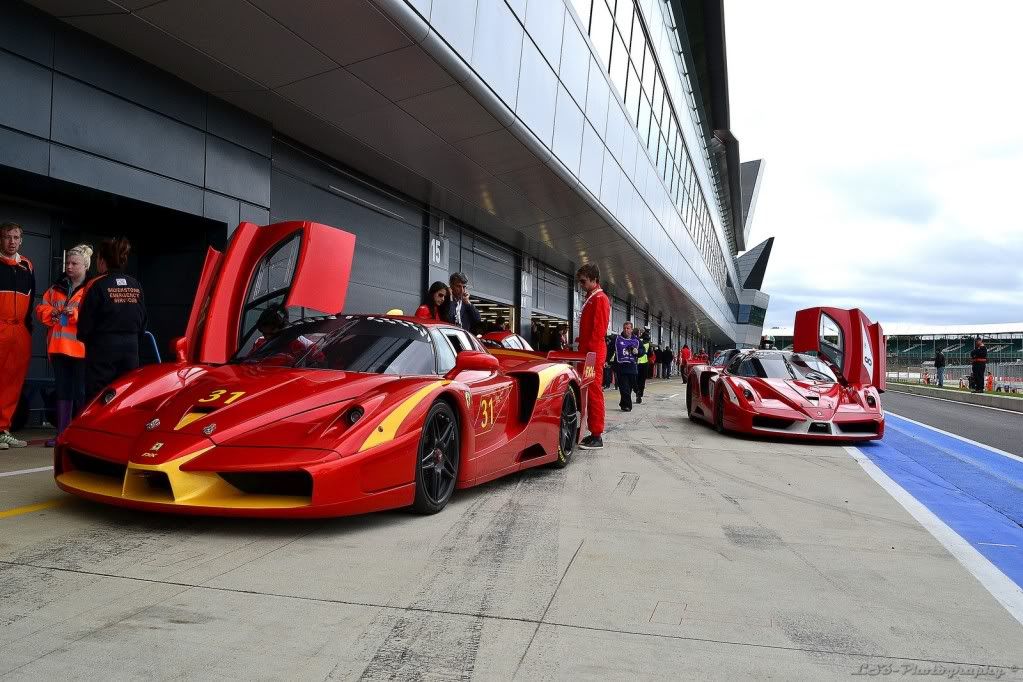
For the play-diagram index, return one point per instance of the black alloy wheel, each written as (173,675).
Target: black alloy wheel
(719,409)
(438,459)
(568,432)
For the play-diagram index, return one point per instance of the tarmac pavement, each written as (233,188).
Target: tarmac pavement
(673,552)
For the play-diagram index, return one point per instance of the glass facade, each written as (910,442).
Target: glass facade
(624,46)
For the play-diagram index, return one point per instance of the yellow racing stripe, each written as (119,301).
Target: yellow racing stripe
(389,426)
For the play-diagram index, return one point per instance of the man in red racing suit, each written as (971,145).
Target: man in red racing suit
(596,313)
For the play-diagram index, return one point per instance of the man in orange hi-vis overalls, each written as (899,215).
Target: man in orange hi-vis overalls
(17,287)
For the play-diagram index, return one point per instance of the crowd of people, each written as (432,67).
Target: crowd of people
(94,326)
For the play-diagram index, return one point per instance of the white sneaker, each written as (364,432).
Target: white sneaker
(10,441)
(4,446)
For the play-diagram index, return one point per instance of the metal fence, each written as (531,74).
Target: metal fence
(1007,377)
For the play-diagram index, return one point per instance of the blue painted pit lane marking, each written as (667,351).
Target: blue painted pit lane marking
(973,490)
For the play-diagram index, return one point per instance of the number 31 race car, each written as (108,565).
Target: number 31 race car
(328,416)
(828,389)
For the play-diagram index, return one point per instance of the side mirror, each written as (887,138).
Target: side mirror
(473,361)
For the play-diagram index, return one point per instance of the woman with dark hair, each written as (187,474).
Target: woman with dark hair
(435,306)
(112,318)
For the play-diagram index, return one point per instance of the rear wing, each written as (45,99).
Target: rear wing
(584,363)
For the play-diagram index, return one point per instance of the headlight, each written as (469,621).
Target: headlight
(871,401)
(747,394)
(108,396)
(354,415)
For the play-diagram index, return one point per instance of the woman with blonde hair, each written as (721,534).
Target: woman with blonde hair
(59,312)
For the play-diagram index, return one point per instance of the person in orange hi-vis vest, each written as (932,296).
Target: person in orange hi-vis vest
(59,312)
(17,287)
(596,314)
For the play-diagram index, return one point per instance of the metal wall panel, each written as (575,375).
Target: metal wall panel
(490,266)
(236,171)
(388,268)
(619,314)
(26,101)
(104,66)
(91,120)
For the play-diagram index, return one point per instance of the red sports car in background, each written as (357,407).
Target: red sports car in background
(332,415)
(827,389)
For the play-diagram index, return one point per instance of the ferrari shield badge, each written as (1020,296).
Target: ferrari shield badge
(209,429)
(152,424)
(468,399)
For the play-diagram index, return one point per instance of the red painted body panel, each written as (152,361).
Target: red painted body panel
(849,410)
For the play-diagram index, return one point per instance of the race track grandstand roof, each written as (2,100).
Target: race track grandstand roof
(910,329)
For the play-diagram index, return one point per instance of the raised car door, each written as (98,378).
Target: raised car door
(186,347)
(300,265)
(846,339)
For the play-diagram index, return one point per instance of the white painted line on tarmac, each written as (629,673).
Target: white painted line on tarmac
(957,402)
(994,581)
(958,437)
(995,544)
(25,471)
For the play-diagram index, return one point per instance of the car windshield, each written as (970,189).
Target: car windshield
(376,345)
(785,366)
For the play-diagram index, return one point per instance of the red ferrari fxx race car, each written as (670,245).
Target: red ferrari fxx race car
(828,388)
(334,415)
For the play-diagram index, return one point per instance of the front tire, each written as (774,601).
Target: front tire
(437,460)
(689,402)
(568,431)
(719,410)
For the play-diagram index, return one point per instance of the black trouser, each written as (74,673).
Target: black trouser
(641,379)
(978,375)
(626,380)
(106,358)
(70,375)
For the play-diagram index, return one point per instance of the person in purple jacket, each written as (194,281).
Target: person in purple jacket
(626,352)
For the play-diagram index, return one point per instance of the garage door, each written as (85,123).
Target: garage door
(489,266)
(551,291)
(618,314)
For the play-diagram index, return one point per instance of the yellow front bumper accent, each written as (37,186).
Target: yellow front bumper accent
(189,488)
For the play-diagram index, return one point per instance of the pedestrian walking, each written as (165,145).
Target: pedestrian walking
(978,360)
(643,366)
(111,319)
(59,312)
(665,359)
(626,354)
(17,289)
(593,321)
(939,366)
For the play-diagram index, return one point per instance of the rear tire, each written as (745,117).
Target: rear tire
(437,460)
(719,411)
(568,430)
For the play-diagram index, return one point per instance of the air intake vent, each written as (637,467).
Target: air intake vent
(94,465)
(857,427)
(285,483)
(772,423)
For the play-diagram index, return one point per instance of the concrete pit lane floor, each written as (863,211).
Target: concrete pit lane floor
(672,553)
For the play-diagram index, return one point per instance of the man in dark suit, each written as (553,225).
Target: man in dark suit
(461,311)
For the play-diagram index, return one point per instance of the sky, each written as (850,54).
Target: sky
(892,134)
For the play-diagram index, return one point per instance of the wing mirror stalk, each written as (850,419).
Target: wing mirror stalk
(473,361)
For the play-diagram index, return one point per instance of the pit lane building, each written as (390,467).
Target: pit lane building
(512,140)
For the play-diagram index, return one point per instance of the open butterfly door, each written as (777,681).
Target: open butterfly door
(301,265)
(846,339)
